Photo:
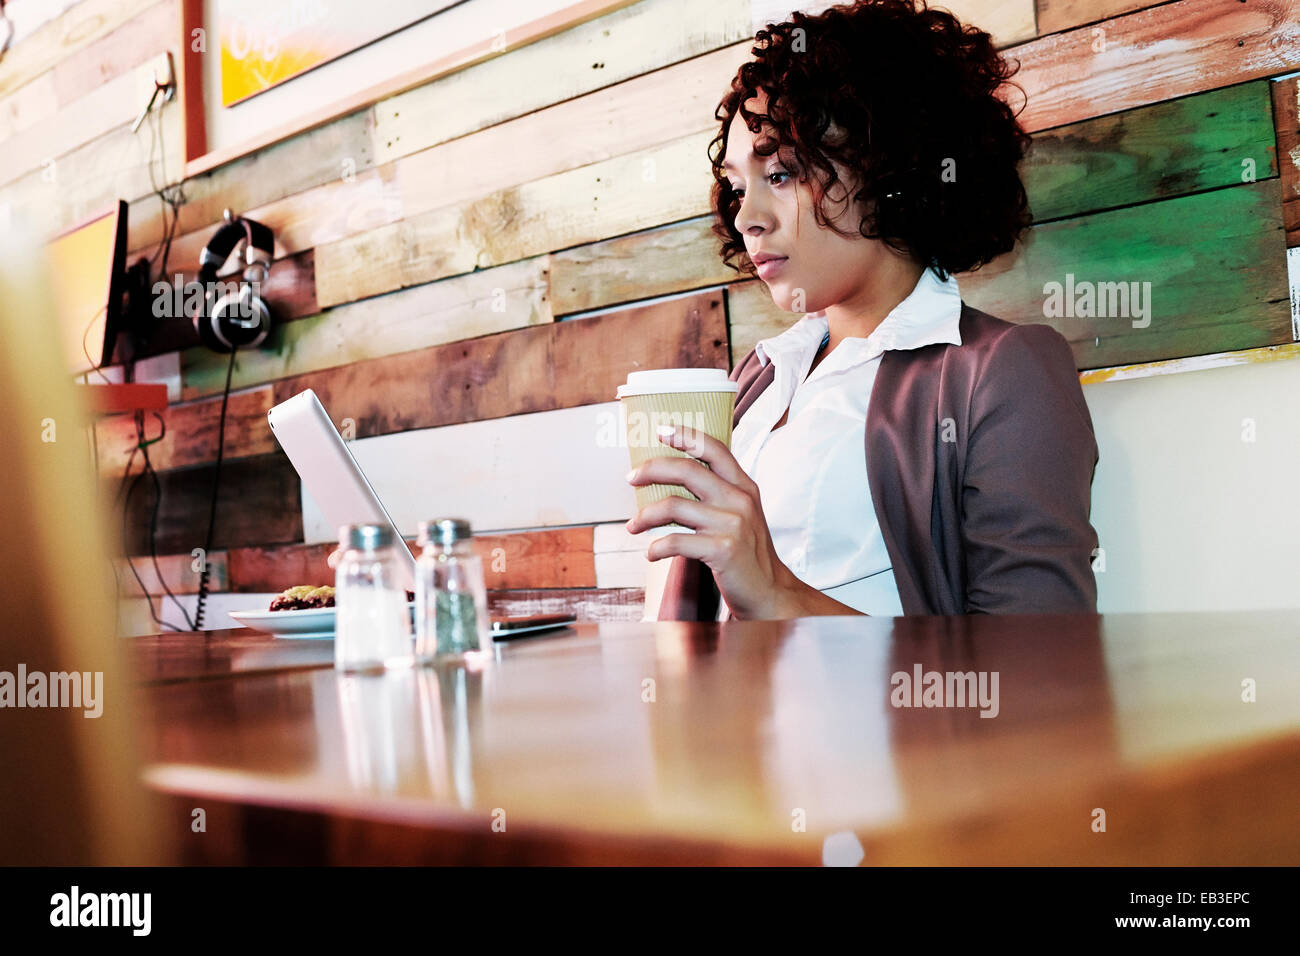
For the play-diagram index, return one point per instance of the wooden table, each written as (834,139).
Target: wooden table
(235,652)
(749,742)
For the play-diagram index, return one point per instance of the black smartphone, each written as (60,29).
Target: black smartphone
(504,628)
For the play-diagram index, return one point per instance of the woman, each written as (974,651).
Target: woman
(863,159)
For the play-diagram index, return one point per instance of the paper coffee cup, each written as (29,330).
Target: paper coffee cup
(699,398)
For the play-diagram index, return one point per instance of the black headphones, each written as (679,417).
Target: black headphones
(239,319)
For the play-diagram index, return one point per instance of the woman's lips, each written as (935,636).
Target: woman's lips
(771,267)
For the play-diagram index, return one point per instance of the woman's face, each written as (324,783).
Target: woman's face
(820,268)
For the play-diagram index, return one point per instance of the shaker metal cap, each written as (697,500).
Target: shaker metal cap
(444,531)
(366,537)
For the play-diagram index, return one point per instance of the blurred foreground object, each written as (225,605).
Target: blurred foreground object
(72,793)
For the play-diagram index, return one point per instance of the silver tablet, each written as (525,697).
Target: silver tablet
(328,471)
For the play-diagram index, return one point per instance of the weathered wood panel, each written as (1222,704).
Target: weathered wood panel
(659,261)
(1213,260)
(1165,150)
(57,41)
(672,102)
(561,365)
(1151,55)
(338,208)
(598,201)
(331,153)
(1008,21)
(512,296)
(554,365)
(1057,15)
(1170,149)
(752,316)
(191,433)
(552,557)
(259,503)
(1286,117)
(614,604)
(115,103)
(88,180)
(1214,264)
(152,31)
(27,106)
(589,57)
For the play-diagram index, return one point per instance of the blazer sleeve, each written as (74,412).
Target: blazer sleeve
(1027,490)
(690,593)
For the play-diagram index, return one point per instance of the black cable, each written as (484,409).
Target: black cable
(96,367)
(142,446)
(129,482)
(216,485)
(153,521)
(171,196)
(126,511)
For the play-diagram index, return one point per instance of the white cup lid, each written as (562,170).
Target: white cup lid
(677,380)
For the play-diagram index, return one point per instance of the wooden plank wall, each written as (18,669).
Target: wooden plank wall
(465,271)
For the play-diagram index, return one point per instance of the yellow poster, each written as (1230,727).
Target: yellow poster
(264,43)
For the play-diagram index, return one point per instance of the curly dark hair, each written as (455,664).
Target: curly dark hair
(913,91)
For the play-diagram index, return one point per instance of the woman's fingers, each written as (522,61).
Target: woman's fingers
(707,449)
(723,483)
(673,510)
(702,546)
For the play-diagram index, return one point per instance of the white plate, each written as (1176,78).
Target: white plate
(307,622)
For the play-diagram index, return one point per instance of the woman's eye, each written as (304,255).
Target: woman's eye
(740,193)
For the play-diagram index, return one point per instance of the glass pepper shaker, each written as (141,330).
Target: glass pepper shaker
(451,615)
(372,619)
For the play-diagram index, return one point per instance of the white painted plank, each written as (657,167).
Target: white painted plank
(28,15)
(621,569)
(177,571)
(614,537)
(133,613)
(112,104)
(626,43)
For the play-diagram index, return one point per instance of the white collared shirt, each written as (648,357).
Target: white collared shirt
(812,471)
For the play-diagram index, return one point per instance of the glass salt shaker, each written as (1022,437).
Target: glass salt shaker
(451,615)
(372,619)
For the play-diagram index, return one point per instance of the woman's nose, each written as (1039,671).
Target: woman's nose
(752,218)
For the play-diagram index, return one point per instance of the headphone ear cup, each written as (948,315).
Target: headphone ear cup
(237,320)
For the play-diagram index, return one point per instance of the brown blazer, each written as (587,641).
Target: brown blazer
(980,460)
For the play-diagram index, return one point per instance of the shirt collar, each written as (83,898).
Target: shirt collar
(930,314)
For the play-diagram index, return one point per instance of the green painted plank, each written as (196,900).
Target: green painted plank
(1214,263)
(1157,152)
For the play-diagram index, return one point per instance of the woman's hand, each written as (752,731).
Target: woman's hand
(731,533)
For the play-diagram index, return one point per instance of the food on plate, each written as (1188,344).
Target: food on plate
(306,596)
(302,597)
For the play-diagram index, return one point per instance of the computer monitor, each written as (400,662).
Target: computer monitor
(88,267)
